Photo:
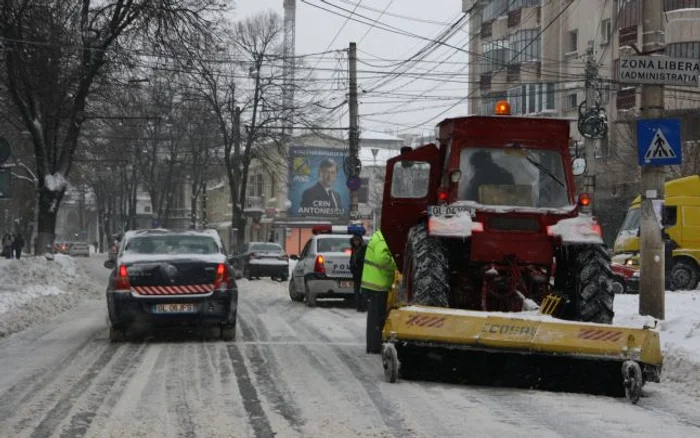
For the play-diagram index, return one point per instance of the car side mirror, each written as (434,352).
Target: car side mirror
(578,167)
(109,264)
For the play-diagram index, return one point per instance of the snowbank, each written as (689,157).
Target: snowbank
(679,332)
(34,289)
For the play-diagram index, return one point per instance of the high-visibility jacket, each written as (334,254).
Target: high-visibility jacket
(378,270)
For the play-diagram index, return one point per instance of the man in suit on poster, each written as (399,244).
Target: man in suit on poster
(321,197)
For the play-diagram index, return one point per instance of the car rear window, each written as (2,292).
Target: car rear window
(266,247)
(333,244)
(171,244)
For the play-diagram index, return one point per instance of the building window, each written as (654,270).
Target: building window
(606,31)
(259,185)
(672,5)
(495,9)
(549,101)
(146,208)
(683,50)
(495,55)
(273,186)
(525,46)
(573,41)
(572,101)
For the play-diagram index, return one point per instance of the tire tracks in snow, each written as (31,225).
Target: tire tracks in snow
(249,395)
(176,391)
(386,409)
(265,366)
(57,414)
(24,390)
(106,393)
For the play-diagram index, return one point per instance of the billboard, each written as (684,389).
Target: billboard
(317,183)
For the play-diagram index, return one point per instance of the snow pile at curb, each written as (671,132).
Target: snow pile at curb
(34,289)
(679,332)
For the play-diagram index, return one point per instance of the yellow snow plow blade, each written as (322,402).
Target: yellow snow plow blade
(526,333)
(622,357)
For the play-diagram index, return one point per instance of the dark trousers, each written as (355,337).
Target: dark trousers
(18,253)
(360,298)
(376,315)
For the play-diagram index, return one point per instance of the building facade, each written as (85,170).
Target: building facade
(533,53)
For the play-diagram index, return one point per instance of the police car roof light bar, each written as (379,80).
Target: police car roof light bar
(339,229)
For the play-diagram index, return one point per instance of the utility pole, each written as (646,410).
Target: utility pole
(651,292)
(589,142)
(354,135)
(205,219)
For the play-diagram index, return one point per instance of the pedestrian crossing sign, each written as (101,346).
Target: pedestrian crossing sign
(659,142)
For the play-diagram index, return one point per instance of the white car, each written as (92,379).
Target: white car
(79,249)
(323,268)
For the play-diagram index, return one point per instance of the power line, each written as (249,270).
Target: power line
(513,58)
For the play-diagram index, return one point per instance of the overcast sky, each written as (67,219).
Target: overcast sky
(403,101)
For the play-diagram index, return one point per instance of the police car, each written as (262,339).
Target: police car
(167,277)
(323,267)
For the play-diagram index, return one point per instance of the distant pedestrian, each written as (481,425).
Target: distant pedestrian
(18,245)
(7,245)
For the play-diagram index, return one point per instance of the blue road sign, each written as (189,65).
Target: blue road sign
(659,142)
(354,183)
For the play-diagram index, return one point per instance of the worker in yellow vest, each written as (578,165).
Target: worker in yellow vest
(377,278)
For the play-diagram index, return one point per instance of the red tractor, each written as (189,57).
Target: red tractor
(489,219)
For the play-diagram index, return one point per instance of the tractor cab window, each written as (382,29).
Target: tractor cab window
(514,177)
(411,180)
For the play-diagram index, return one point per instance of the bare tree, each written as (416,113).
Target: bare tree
(246,95)
(55,50)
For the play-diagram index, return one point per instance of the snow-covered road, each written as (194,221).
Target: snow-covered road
(293,372)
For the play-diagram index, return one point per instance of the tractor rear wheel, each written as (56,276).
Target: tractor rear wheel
(587,274)
(426,269)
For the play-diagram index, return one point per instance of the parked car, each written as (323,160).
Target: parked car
(61,248)
(79,249)
(166,277)
(323,268)
(262,259)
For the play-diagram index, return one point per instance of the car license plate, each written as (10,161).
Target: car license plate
(347,284)
(174,308)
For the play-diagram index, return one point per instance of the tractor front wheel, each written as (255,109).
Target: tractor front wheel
(426,270)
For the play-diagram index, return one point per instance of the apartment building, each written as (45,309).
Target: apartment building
(533,53)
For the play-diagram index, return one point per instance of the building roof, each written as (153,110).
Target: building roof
(368,159)
(372,135)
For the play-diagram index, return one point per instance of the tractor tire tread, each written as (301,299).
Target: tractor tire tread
(595,292)
(430,276)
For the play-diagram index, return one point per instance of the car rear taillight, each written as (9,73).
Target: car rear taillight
(121,282)
(320,265)
(223,278)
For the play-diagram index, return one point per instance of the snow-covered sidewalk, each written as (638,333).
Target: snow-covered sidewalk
(679,332)
(33,289)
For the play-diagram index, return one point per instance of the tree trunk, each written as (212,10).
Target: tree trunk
(49,203)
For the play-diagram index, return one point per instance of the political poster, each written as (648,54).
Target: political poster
(317,183)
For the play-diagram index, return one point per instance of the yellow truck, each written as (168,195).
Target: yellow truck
(681,218)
